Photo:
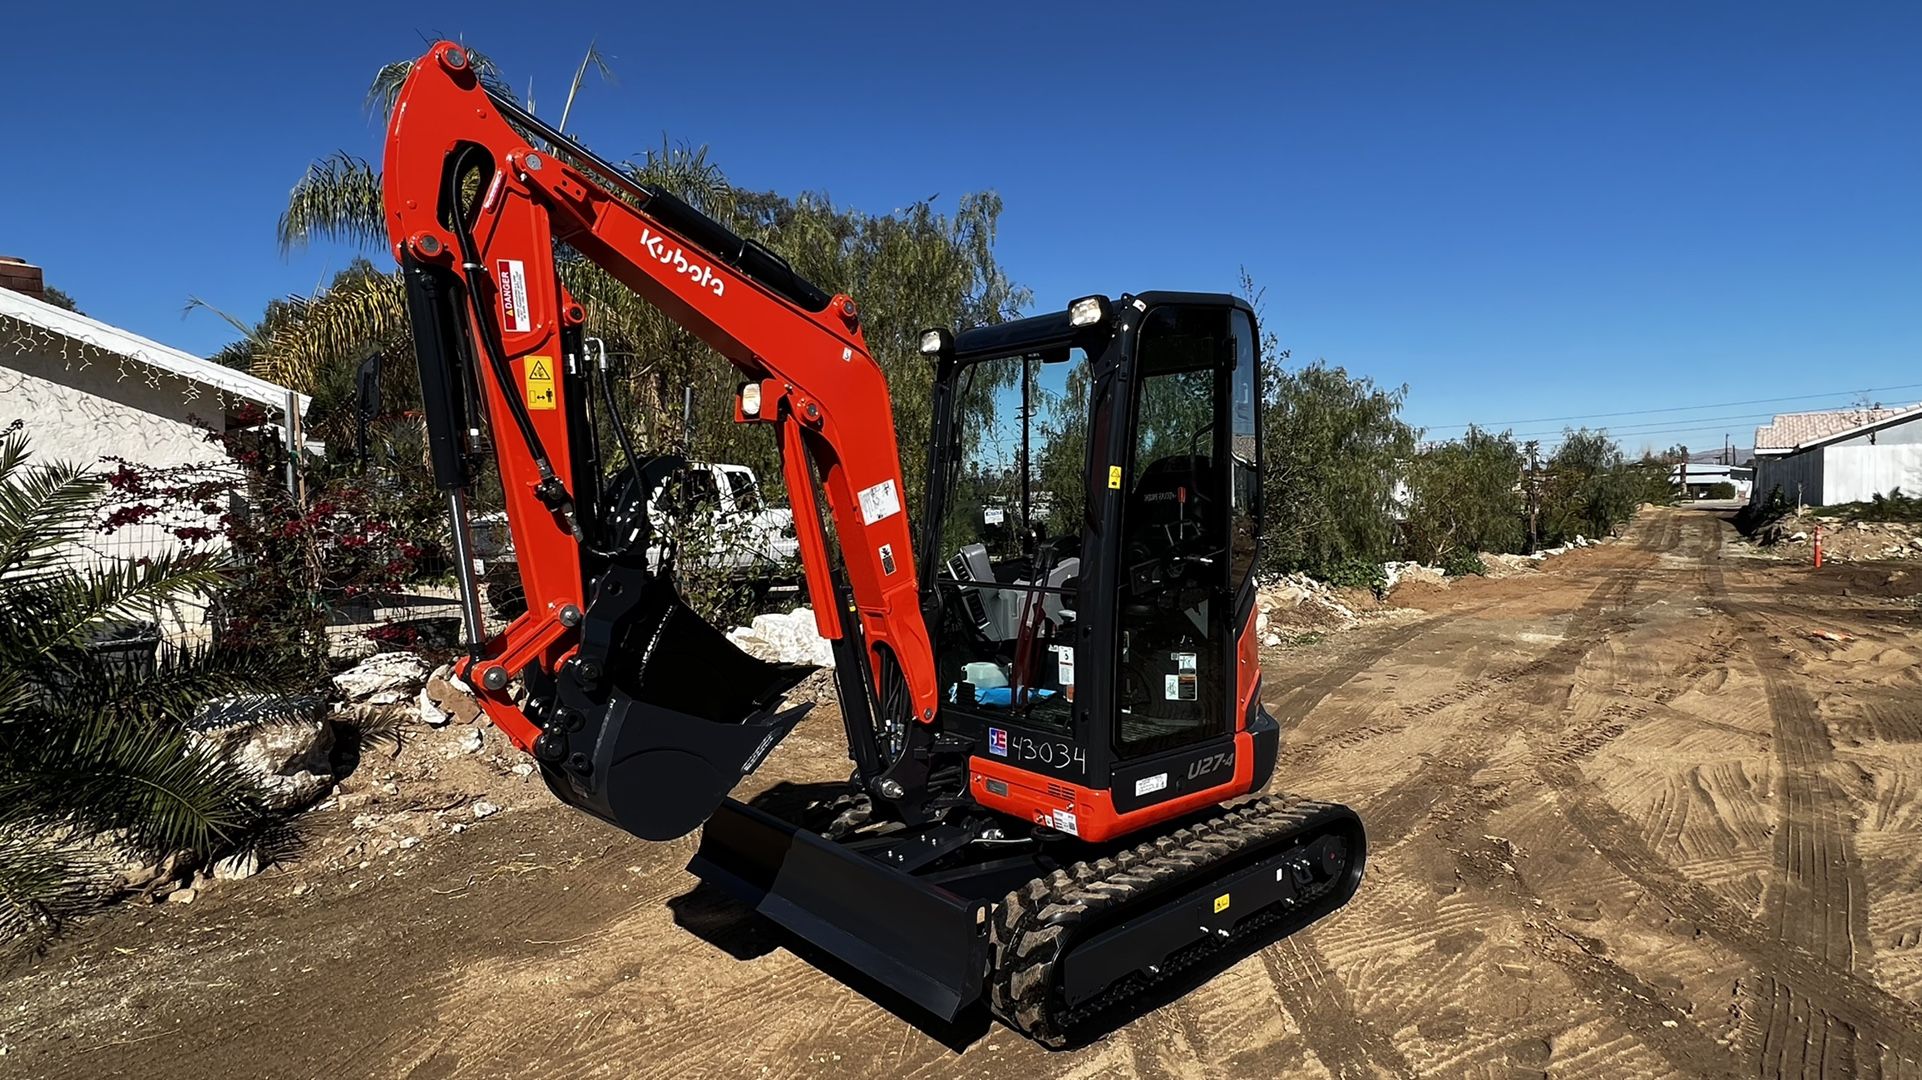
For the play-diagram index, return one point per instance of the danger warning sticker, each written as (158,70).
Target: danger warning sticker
(540,382)
(510,277)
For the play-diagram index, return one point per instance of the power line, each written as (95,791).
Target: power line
(1687,424)
(1675,408)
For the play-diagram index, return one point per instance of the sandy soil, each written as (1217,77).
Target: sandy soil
(1629,816)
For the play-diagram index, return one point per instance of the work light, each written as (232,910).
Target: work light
(935,342)
(1088,311)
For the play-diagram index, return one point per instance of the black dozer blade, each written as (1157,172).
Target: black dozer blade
(682,717)
(918,939)
(1074,945)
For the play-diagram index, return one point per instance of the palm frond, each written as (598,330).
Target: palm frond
(353,316)
(77,603)
(43,883)
(593,58)
(338,199)
(166,793)
(42,508)
(15,450)
(195,303)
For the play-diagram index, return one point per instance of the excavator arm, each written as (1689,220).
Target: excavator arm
(478,193)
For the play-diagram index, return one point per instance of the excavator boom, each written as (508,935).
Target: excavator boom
(478,192)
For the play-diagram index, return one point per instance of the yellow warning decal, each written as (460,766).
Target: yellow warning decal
(1114,478)
(1221,903)
(540,382)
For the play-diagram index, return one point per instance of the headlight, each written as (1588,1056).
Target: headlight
(1088,311)
(751,399)
(935,342)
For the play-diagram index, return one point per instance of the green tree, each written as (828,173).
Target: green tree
(1466,496)
(1590,488)
(89,746)
(59,299)
(1334,448)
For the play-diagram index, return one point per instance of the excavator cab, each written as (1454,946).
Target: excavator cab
(1088,556)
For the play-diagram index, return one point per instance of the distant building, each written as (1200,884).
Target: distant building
(1703,477)
(1839,456)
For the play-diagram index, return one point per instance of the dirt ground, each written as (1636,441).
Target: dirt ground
(1650,811)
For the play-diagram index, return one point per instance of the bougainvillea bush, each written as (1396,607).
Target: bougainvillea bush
(338,536)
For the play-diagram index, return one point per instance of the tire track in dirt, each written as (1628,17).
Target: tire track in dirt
(1557,762)
(1806,1000)
(1302,697)
(1818,900)
(1313,995)
(1303,978)
(1402,808)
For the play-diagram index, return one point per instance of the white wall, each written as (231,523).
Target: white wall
(80,416)
(1857,469)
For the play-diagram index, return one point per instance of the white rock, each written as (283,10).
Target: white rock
(408,841)
(484,809)
(182,896)
(789,638)
(399,674)
(241,864)
(470,743)
(285,742)
(523,770)
(1272,640)
(430,714)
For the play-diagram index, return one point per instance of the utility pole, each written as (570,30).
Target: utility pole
(1684,468)
(1534,495)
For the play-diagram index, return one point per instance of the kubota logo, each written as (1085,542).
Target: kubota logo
(702,273)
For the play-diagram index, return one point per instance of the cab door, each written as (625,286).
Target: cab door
(1186,539)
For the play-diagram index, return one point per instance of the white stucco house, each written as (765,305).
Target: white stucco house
(84,390)
(1839,456)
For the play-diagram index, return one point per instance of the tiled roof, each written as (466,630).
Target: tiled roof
(1790,430)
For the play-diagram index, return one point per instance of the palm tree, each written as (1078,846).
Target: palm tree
(88,746)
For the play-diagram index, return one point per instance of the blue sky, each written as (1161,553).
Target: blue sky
(1520,210)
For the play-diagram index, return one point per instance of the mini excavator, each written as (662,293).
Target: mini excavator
(1057,736)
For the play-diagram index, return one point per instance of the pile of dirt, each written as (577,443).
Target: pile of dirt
(1792,535)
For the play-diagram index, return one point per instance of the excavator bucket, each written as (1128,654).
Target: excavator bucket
(686,715)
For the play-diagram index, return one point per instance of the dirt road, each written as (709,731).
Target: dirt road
(1627,818)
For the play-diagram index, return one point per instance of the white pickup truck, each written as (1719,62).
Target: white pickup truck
(740,530)
(727,525)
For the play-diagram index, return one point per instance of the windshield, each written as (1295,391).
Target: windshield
(740,484)
(1020,482)
(1011,537)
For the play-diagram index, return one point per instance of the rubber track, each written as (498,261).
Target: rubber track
(1035,925)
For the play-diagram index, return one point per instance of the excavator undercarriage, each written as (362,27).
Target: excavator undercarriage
(1050,692)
